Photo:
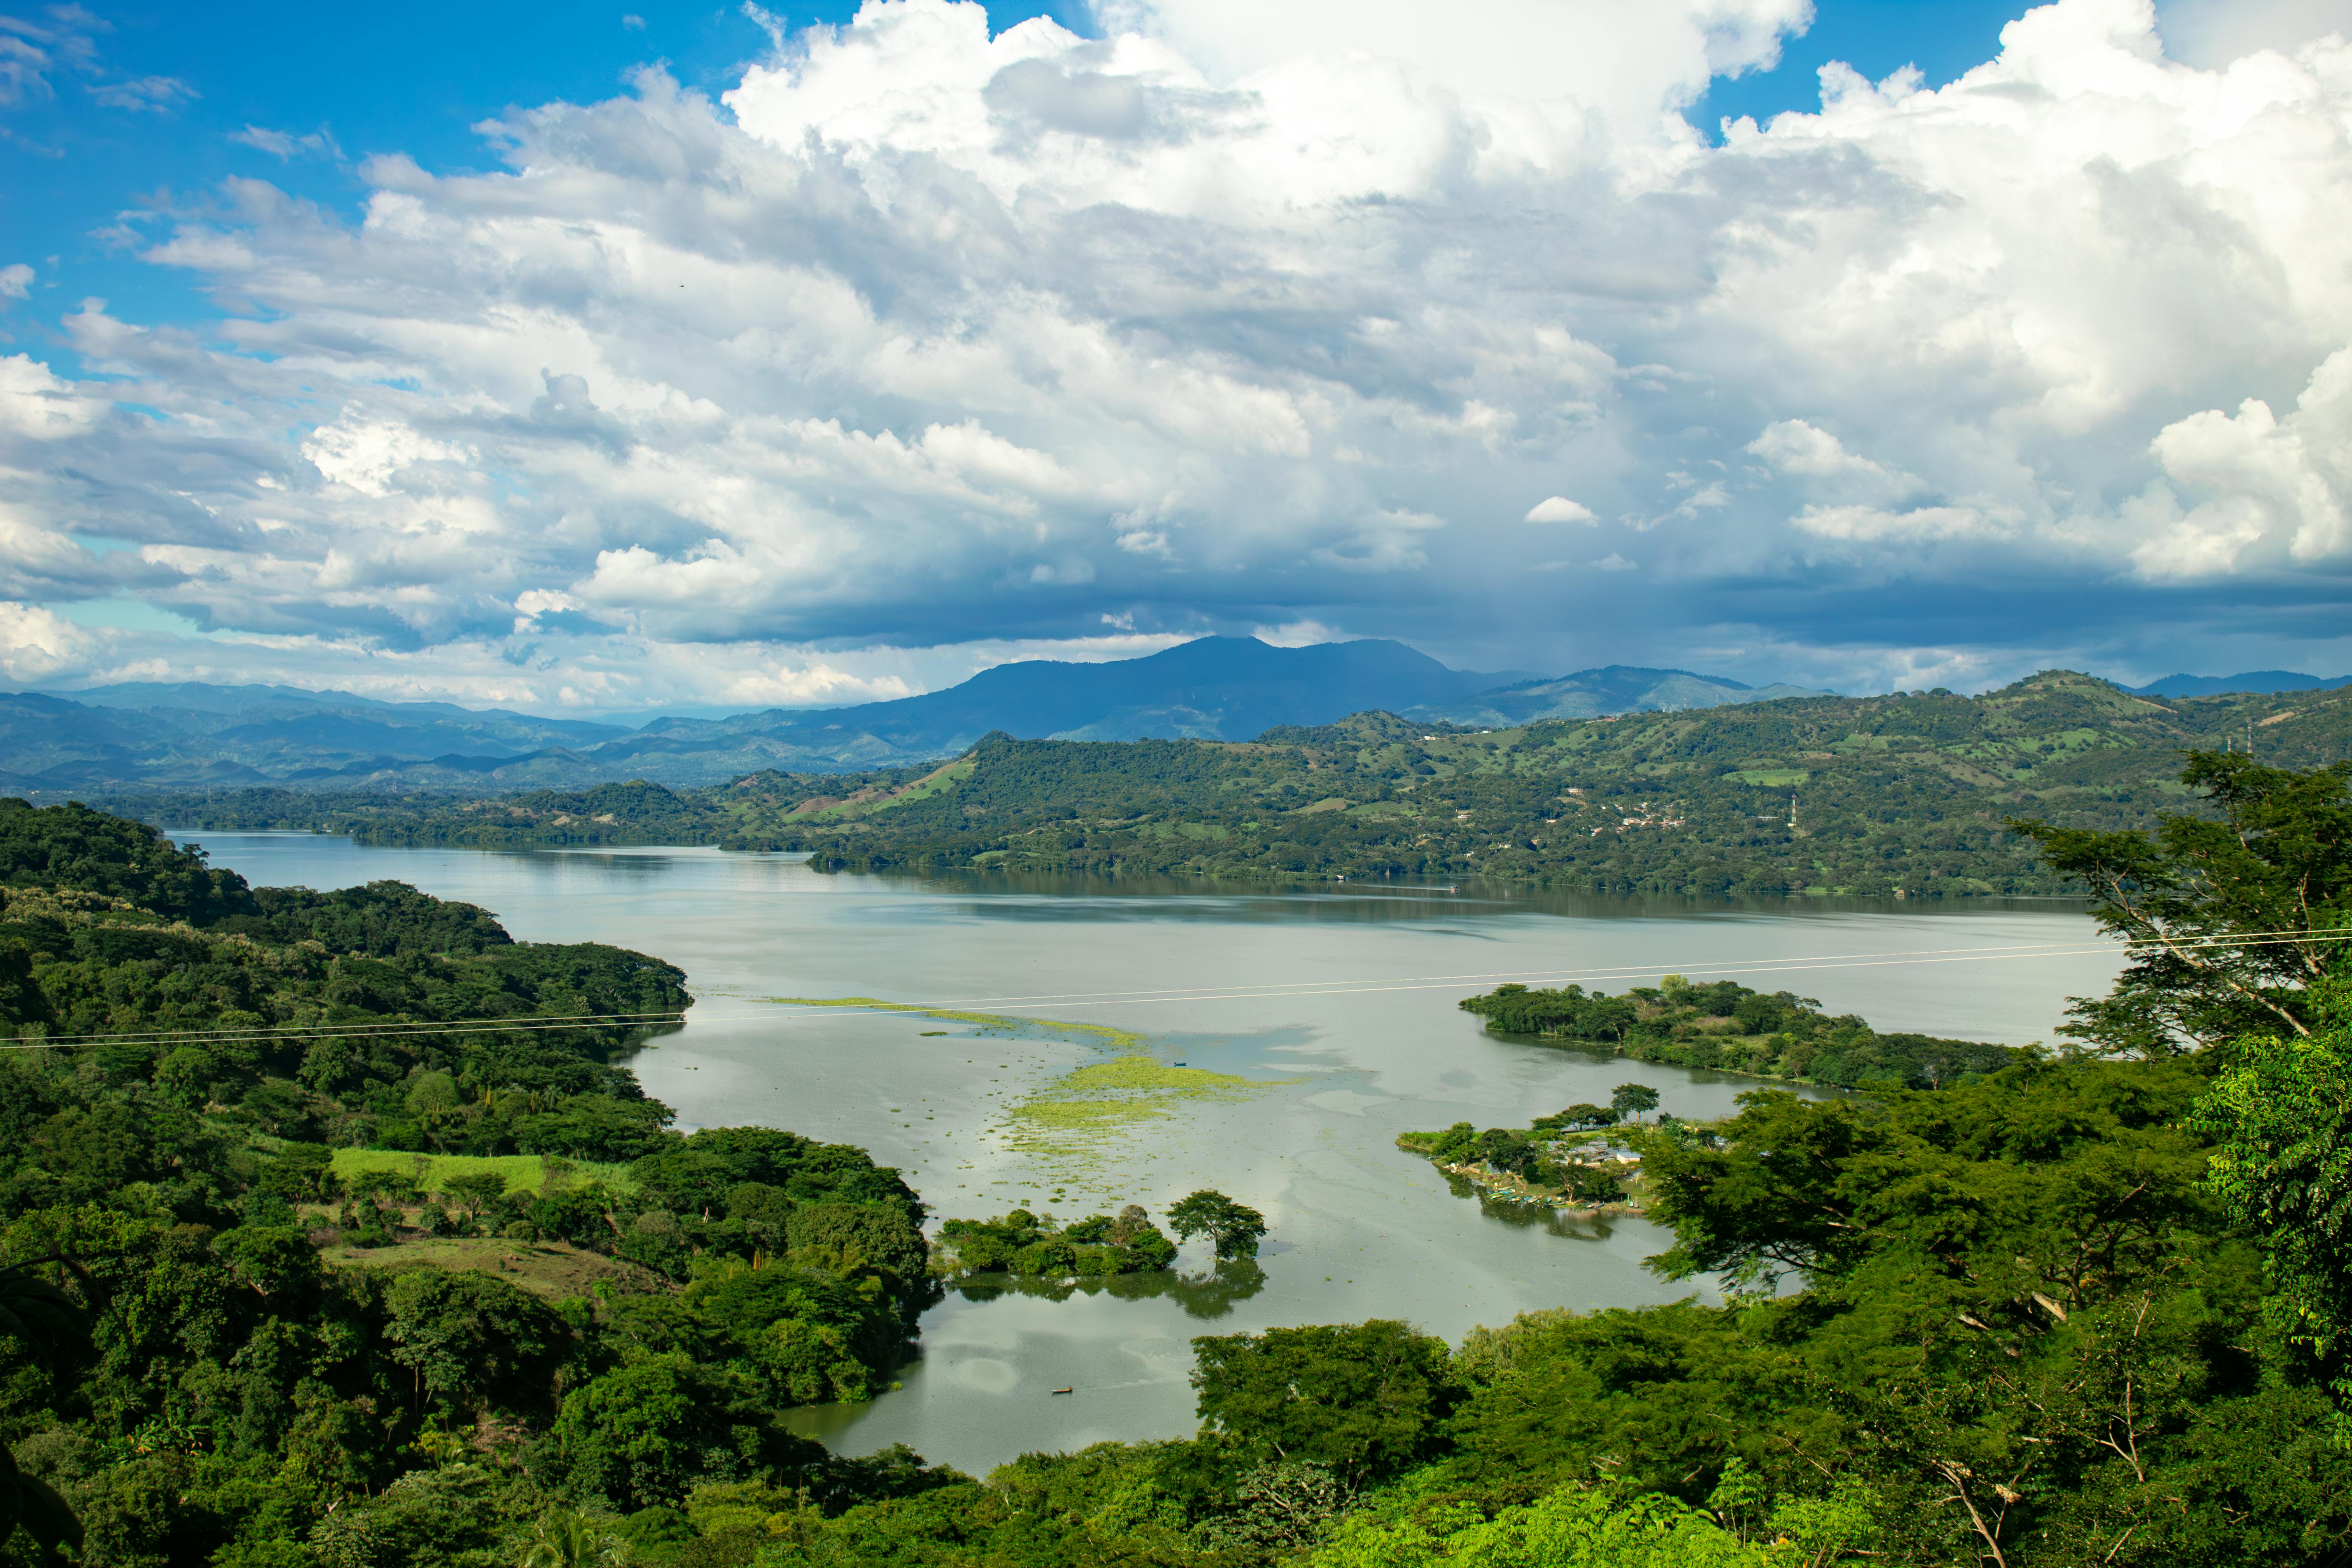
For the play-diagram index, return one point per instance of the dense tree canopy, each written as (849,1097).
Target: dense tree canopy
(2039,1312)
(215,1346)
(2233,923)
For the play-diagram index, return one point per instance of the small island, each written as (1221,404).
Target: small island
(1028,1244)
(1725,1027)
(1569,1160)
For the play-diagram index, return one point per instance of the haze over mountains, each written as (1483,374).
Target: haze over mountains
(194,735)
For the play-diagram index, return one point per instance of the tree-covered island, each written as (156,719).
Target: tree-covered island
(1725,1027)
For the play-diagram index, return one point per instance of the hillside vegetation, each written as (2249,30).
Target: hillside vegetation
(2051,1312)
(1903,793)
(319,1212)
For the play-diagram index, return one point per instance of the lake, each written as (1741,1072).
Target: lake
(1336,1005)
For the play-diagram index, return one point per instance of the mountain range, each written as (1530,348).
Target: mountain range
(2260,682)
(195,736)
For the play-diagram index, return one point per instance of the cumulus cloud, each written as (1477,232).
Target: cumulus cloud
(1559,508)
(2260,479)
(1807,452)
(38,643)
(16,281)
(922,338)
(35,404)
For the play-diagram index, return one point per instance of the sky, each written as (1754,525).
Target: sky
(620,359)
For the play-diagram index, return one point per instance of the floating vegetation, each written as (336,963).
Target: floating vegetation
(1078,1114)
(1068,1127)
(1101,1034)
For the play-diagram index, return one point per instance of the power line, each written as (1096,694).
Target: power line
(330,1031)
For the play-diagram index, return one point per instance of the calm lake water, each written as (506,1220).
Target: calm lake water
(1340,1004)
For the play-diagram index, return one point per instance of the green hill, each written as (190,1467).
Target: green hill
(1902,794)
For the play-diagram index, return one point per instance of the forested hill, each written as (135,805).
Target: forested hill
(335,1229)
(1857,794)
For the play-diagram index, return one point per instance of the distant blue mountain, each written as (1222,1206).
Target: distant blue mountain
(2259,683)
(195,734)
(1229,689)
(1215,688)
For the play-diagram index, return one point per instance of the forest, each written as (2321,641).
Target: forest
(227,1344)
(2093,1306)
(1907,795)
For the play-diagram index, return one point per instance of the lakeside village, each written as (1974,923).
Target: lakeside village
(1571,1160)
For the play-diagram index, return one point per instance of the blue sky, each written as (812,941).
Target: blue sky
(1446,346)
(417,78)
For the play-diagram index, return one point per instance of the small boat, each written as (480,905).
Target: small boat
(1061,1391)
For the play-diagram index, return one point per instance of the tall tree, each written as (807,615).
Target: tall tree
(2232,919)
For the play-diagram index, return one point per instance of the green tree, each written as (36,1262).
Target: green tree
(1234,1227)
(2280,1117)
(650,1432)
(52,1328)
(572,1541)
(469,1339)
(1365,1399)
(1568,1528)
(1633,1100)
(2233,921)
(1580,1116)
(475,1191)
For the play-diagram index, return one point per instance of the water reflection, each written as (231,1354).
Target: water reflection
(1210,1294)
(1569,1224)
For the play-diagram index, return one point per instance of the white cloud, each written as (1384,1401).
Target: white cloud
(35,403)
(1875,523)
(364,453)
(2261,479)
(282,145)
(810,685)
(31,50)
(1299,634)
(36,643)
(2215,32)
(929,338)
(146,94)
(1795,447)
(16,281)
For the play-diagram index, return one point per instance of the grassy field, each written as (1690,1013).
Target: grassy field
(550,1268)
(524,1173)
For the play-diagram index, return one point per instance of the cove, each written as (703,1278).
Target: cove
(1336,1006)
